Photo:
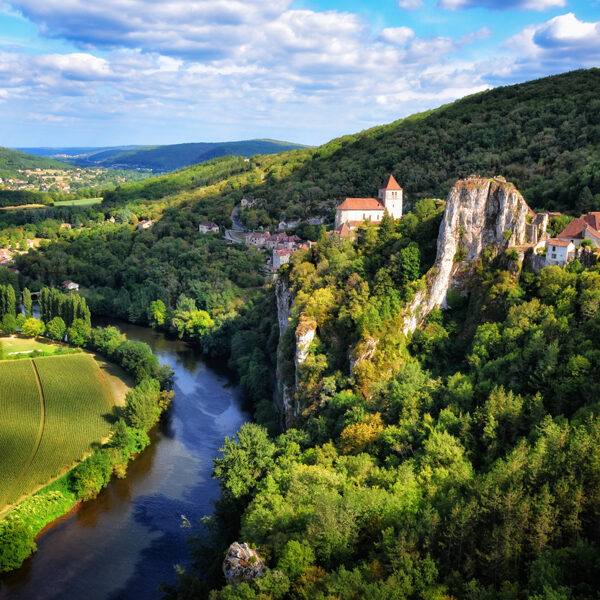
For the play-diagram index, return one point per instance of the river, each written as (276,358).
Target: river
(124,543)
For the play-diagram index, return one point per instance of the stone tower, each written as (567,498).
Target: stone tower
(391,197)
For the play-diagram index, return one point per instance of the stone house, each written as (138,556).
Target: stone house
(559,252)
(586,227)
(208,227)
(354,211)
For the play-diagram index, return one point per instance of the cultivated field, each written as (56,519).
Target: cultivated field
(52,409)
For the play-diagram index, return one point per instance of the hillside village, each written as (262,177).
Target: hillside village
(579,239)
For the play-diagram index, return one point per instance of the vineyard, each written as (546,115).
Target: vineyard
(52,409)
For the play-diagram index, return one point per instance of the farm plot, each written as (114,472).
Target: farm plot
(78,405)
(21,421)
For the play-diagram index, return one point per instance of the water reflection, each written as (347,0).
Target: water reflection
(127,541)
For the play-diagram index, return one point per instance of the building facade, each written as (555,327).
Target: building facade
(353,211)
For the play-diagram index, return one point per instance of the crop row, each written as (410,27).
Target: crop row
(20,422)
(78,408)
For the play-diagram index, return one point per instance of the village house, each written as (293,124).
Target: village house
(144,224)
(208,227)
(247,202)
(586,227)
(258,238)
(65,225)
(559,252)
(281,257)
(353,211)
(70,286)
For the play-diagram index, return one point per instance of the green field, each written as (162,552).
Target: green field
(52,409)
(80,202)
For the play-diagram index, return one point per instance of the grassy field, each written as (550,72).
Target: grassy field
(15,344)
(56,408)
(80,202)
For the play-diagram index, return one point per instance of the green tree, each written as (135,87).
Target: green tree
(244,460)
(56,329)
(27,303)
(157,313)
(79,333)
(16,543)
(32,327)
(8,325)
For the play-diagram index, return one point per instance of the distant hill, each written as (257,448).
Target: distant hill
(13,160)
(163,159)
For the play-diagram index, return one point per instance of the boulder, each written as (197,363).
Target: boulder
(242,564)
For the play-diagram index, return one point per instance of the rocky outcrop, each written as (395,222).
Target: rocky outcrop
(284,300)
(481,216)
(242,564)
(305,334)
(361,352)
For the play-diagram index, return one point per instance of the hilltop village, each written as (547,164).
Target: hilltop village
(579,239)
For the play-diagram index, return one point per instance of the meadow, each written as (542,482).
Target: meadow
(52,411)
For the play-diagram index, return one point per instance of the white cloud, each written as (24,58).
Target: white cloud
(410,4)
(537,5)
(240,68)
(564,39)
(397,35)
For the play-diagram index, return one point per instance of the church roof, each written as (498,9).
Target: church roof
(391,184)
(361,204)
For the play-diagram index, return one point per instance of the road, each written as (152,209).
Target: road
(237,226)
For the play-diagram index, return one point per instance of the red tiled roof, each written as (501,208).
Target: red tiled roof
(360,204)
(574,229)
(343,230)
(557,242)
(592,219)
(391,184)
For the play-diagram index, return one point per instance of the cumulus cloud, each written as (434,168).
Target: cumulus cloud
(538,5)
(242,68)
(562,39)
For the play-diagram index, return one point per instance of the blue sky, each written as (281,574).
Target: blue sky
(75,72)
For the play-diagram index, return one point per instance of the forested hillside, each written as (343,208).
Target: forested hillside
(543,135)
(459,462)
(13,160)
(166,158)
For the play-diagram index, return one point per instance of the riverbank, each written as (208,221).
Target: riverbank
(20,526)
(125,542)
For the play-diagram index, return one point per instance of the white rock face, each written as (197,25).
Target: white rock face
(284,305)
(242,564)
(305,334)
(480,214)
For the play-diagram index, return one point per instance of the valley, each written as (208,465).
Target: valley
(420,414)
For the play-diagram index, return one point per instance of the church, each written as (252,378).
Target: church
(353,211)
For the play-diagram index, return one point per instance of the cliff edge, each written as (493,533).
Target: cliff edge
(481,216)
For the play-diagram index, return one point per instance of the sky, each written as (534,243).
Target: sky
(84,73)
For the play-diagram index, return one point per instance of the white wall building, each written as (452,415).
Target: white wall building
(354,211)
(559,252)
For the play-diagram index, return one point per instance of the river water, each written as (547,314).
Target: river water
(123,544)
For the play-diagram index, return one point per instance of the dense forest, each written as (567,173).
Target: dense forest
(459,462)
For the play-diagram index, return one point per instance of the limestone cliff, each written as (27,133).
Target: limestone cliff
(482,215)
(305,333)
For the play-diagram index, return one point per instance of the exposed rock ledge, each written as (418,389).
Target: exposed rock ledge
(480,214)
(242,564)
